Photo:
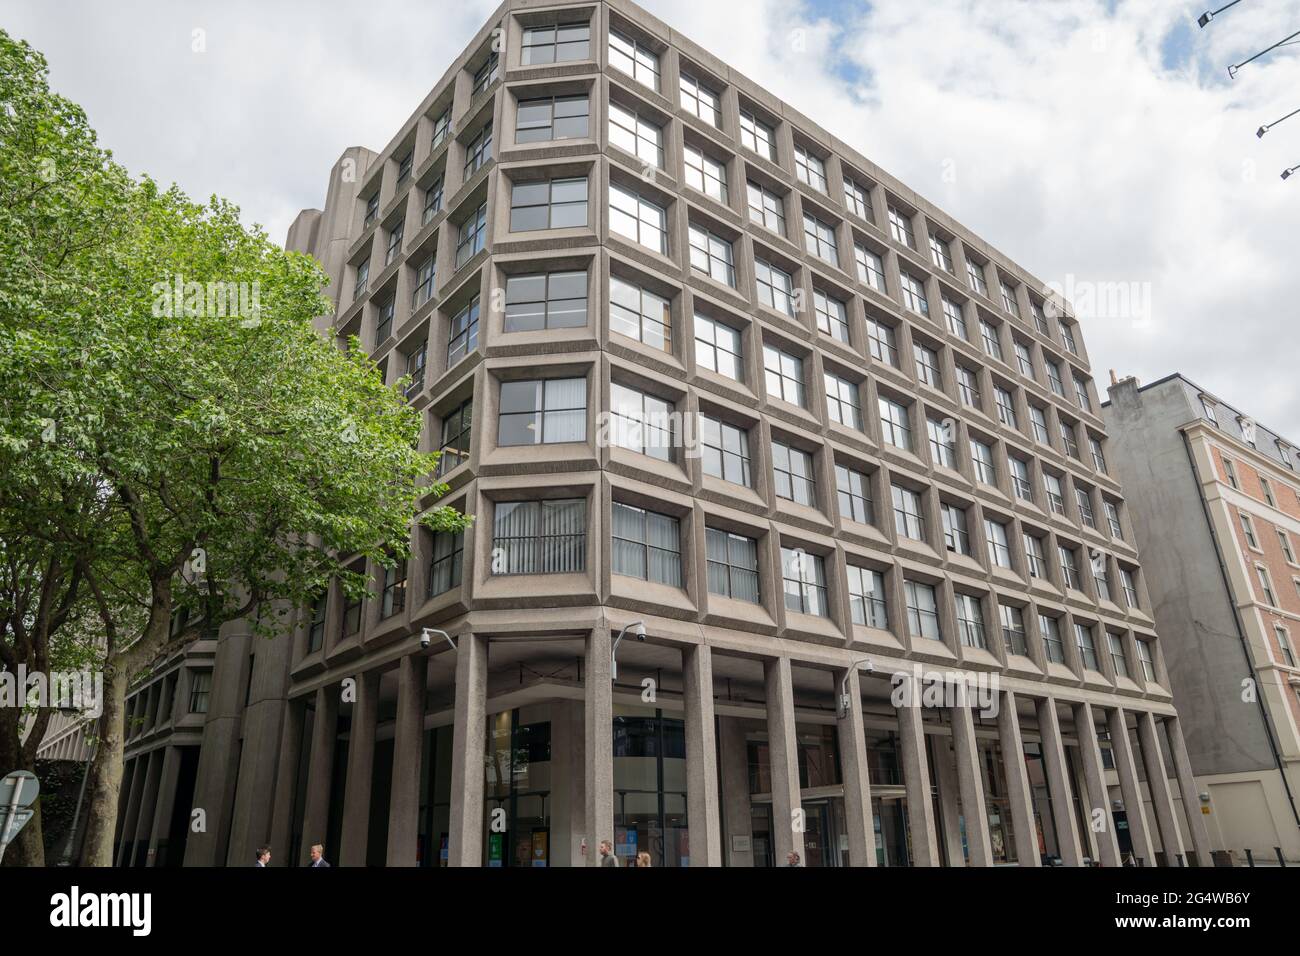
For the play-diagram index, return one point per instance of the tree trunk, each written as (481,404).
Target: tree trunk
(29,848)
(106,771)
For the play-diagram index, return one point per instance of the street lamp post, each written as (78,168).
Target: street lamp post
(842,710)
(638,629)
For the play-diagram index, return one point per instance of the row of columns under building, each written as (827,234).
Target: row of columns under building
(156,771)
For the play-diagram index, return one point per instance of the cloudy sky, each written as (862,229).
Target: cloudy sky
(1097,143)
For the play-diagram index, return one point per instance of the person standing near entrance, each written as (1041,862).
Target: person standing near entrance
(318,856)
(607,857)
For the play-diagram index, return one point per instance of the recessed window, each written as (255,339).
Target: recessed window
(556,44)
(871,269)
(1040,317)
(913,291)
(641,423)
(1009,300)
(999,550)
(783,373)
(1054,377)
(1284,540)
(909,521)
(472,236)
(463,336)
(733,565)
(1053,646)
(478,151)
(970,620)
(774,287)
(362,281)
(1083,498)
(1034,556)
(883,342)
(1019,471)
(955,319)
(922,610)
(757,136)
(700,101)
(416,364)
(1069,558)
(372,210)
(1055,496)
(546,300)
(927,365)
(392,599)
(981,459)
(858,197)
(634,58)
(1248,529)
(1118,659)
(809,168)
(543,412)
(1006,405)
(956,532)
(1083,639)
(989,336)
(1068,441)
(1147,658)
(486,74)
(975,277)
(1266,585)
(636,134)
(441,129)
(1067,336)
(804,578)
(718,347)
(1024,360)
(943,446)
(646,545)
(1081,393)
(1230,472)
(968,385)
(424,282)
(1038,420)
(1112,519)
(432,202)
(842,402)
(895,425)
(705,174)
(1100,577)
(832,317)
(539,537)
(1098,456)
(446,562)
(551,204)
(765,207)
(384,320)
(792,470)
(940,254)
(1208,408)
(867,603)
(639,314)
(201,690)
(711,255)
(1129,585)
(819,239)
(1013,629)
(1284,645)
(724,450)
(394,242)
(404,167)
(900,227)
(454,449)
(639,219)
(1267,489)
(853,490)
(551,118)
(316,629)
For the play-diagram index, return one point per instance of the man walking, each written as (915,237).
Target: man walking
(263,858)
(317,856)
(607,857)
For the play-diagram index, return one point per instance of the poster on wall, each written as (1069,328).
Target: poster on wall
(496,849)
(625,841)
(541,852)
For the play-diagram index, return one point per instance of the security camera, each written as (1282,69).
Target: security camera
(639,630)
(426,638)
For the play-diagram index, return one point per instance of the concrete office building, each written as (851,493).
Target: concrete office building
(695,363)
(1214,499)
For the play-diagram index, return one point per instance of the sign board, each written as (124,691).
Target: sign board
(16,822)
(19,789)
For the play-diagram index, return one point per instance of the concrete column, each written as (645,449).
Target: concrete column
(598,731)
(916,779)
(469,742)
(126,836)
(1058,782)
(945,779)
(361,766)
(286,777)
(971,781)
(853,768)
(703,821)
(320,771)
(408,751)
(737,812)
(1139,831)
(1158,786)
(148,803)
(165,804)
(1094,776)
(783,755)
(1019,795)
(1200,851)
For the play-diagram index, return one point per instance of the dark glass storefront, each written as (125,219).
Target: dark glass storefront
(650,787)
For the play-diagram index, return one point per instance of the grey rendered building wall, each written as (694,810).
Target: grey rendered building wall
(1193,610)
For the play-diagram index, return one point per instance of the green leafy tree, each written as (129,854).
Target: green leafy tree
(234,459)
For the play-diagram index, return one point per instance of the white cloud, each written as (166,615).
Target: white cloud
(1080,148)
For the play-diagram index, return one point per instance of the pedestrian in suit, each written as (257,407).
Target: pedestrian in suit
(263,858)
(317,856)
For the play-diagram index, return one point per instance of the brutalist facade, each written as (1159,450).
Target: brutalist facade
(701,370)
